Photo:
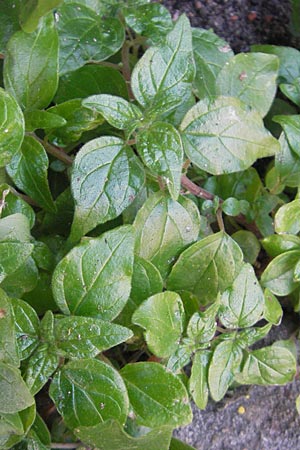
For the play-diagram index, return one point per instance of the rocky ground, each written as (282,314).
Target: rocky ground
(250,418)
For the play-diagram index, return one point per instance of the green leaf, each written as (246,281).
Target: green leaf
(162,316)
(158,397)
(47,327)
(202,325)
(179,445)
(292,90)
(162,77)
(287,163)
(40,297)
(223,136)
(151,20)
(14,394)
(250,336)
(272,308)
(160,148)
(251,77)
(31,65)
(110,436)
(249,245)
(83,337)
(13,255)
(15,204)
(279,274)
(26,323)
(78,119)
(116,110)
(291,128)
(181,357)
(275,244)
(15,227)
(15,426)
(226,359)
(32,11)
(43,256)
(242,303)
(8,338)
(28,169)
(268,366)
(146,280)
(106,177)
(37,119)
(211,53)
(12,127)
(39,367)
(207,267)
(9,21)
(84,36)
(22,280)
(287,218)
(87,392)
(165,227)
(198,382)
(289,58)
(90,80)
(94,278)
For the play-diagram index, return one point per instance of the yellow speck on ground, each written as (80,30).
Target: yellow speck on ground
(241,410)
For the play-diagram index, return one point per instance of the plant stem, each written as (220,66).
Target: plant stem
(126,68)
(205,195)
(58,152)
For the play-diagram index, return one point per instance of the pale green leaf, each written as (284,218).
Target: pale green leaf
(272,308)
(198,382)
(32,11)
(14,394)
(287,218)
(279,274)
(26,323)
(8,339)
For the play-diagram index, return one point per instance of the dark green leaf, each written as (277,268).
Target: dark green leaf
(39,367)
(289,58)
(162,316)
(13,255)
(251,77)
(226,359)
(267,366)
(31,65)
(22,280)
(110,436)
(223,136)
(151,20)
(15,426)
(231,206)
(61,221)
(12,127)
(87,392)
(43,256)
(8,338)
(85,36)
(291,128)
(249,245)
(14,204)
(279,274)
(165,227)
(287,218)
(14,394)
(287,163)
(90,80)
(179,445)
(211,53)
(40,297)
(198,383)
(9,21)
(275,244)
(28,169)
(83,337)
(250,336)
(26,323)
(116,110)
(32,11)
(158,397)
(94,278)
(15,227)
(207,267)
(37,119)
(162,78)
(292,91)
(272,309)
(78,119)
(161,150)
(106,178)
(146,280)
(242,303)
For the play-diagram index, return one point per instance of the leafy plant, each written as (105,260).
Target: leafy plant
(134,228)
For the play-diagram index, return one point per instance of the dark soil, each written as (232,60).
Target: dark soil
(268,419)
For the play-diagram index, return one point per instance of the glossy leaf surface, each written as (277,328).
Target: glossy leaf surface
(8,339)
(279,274)
(14,394)
(26,323)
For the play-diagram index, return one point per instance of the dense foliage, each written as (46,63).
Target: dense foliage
(141,252)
